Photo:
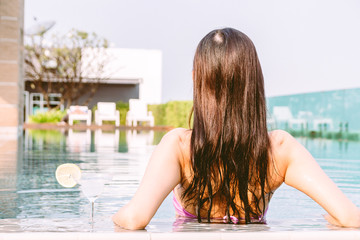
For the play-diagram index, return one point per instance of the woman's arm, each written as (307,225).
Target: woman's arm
(302,172)
(162,174)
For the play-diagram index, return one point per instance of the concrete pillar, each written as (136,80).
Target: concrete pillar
(11,66)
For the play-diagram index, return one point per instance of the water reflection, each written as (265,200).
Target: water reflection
(182,224)
(106,141)
(78,141)
(101,141)
(139,140)
(9,155)
(134,141)
(343,146)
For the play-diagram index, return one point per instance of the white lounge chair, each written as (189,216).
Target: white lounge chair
(283,114)
(270,122)
(106,111)
(138,113)
(79,113)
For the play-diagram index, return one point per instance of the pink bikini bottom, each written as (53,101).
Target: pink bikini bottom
(180,211)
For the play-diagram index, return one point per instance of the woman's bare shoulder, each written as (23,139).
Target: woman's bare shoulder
(279,141)
(180,137)
(278,138)
(179,134)
(283,144)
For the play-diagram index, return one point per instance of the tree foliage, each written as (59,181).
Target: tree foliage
(72,65)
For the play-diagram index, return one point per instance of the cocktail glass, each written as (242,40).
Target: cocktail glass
(92,185)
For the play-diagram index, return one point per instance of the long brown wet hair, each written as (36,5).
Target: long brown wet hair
(229,142)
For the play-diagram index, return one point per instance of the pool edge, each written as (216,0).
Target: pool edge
(280,235)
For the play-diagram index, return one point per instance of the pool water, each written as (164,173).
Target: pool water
(32,200)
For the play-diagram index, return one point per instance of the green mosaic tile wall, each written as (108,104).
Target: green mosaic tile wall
(341,107)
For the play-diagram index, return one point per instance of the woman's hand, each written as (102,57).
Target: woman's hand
(301,171)
(333,221)
(127,220)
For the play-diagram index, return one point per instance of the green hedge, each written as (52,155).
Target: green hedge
(123,108)
(173,113)
(52,116)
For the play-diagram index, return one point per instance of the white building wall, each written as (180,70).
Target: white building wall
(139,64)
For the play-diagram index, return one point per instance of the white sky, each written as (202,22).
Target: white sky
(304,45)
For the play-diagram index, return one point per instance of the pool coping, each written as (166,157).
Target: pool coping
(279,235)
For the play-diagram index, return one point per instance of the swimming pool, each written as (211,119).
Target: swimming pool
(32,201)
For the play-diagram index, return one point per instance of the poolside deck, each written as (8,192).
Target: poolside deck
(143,235)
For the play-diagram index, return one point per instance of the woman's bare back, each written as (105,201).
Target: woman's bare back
(275,176)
